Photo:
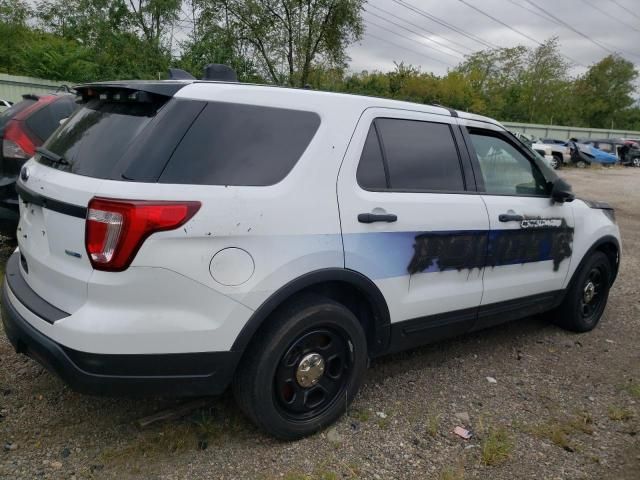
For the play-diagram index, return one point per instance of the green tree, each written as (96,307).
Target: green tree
(13,34)
(290,37)
(605,92)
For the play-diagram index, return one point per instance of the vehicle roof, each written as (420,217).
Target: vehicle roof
(175,87)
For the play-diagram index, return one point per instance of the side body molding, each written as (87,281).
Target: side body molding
(380,321)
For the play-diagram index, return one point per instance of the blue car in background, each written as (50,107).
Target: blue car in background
(583,154)
(603,157)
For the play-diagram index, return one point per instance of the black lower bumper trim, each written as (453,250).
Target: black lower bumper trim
(189,374)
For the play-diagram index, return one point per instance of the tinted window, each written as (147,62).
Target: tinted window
(371,168)
(420,155)
(505,169)
(605,147)
(12,111)
(46,120)
(234,144)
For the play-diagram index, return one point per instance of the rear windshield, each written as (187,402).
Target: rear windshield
(182,141)
(13,110)
(45,121)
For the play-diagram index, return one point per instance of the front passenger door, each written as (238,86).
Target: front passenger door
(530,239)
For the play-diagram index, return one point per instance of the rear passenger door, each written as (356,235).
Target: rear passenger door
(412,221)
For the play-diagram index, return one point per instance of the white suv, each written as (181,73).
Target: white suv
(181,236)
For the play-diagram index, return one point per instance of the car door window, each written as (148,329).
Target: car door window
(605,147)
(505,169)
(413,156)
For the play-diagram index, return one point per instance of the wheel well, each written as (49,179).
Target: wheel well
(355,300)
(355,292)
(610,249)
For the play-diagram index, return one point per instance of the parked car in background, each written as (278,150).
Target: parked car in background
(630,154)
(24,127)
(552,141)
(558,154)
(4,105)
(583,155)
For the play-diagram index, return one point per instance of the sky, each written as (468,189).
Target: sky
(399,30)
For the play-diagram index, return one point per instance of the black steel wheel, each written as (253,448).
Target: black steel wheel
(303,368)
(313,373)
(587,295)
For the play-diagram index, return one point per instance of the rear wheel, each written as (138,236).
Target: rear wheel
(556,163)
(300,374)
(581,164)
(586,298)
(636,162)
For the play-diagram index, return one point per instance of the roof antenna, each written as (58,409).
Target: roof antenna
(219,72)
(178,74)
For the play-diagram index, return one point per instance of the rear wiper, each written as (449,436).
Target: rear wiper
(49,155)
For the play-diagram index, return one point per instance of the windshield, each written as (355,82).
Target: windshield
(98,135)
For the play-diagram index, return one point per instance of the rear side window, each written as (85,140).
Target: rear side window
(371,174)
(46,120)
(234,144)
(416,155)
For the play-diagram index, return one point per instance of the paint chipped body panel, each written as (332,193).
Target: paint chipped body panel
(195,288)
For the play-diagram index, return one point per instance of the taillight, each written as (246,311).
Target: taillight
(115,229)
(16,143)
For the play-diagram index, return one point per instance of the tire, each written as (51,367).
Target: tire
(577,313)
(270,385)
(636,162)
(581,164)
(556,164)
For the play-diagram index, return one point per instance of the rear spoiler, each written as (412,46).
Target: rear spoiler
(163,88)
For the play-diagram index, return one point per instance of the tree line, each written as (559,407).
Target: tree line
(301,43)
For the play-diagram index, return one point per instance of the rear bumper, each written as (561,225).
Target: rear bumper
(176,374)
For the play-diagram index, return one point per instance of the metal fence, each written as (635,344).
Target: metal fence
(13,87)
(564,133)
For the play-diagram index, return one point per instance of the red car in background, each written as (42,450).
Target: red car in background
(23,127)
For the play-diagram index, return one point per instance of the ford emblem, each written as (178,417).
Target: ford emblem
(24,173)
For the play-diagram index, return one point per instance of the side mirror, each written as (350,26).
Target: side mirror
(561,191)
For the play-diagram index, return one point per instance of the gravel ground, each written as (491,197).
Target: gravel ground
(563,406)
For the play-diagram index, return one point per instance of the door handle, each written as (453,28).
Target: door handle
(377,217)
(510,217)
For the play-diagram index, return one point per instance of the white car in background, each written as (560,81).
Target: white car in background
(556,155)
(4,104)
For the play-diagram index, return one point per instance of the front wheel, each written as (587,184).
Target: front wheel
(581,164)
(556,163)
(636,162)
(587,296)
(303,370)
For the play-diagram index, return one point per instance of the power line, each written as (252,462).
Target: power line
(415,33)
(534,12)
(607,14)
(425,30)
(482,12)
(410,39)
(607,49)
(445,24)
(626,9)
(561,22)
(407,48)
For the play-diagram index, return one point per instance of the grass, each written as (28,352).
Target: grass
(452,473)
(433,424)
(496,447)
(619,414)
(559,432)
(362,415)
(633,389)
